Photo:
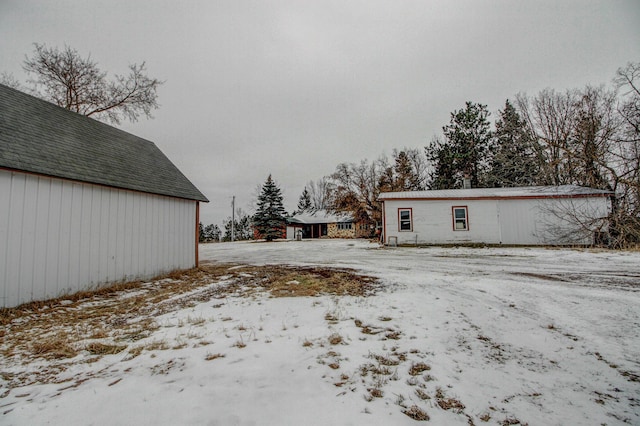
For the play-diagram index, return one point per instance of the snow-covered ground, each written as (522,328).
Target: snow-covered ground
(467,336)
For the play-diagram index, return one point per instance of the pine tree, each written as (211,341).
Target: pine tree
(515,160)
(211,233)
(408,166)
(466,149)
(304,203)
(269,219)
(201,235)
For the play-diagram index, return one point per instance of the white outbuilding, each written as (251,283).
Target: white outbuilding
(537,215)
(83,204)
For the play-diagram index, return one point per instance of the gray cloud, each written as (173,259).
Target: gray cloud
(293,88)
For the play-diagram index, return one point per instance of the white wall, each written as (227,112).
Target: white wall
(59,237)
(433,222)
(511,221)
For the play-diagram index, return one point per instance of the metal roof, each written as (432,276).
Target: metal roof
(39,137)
(516,192)
(320,216)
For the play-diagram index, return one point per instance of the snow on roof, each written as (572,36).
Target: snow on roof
(320,216)
(516,192)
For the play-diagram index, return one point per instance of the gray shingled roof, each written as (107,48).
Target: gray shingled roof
(517,192)
(39,137)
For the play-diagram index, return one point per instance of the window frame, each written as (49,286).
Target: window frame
(454,218)
(400,220)
(345,226)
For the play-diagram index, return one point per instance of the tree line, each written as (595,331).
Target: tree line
(588,137)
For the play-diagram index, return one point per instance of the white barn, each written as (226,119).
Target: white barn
(83,204)
(539,215)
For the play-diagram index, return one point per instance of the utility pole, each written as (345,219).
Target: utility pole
(233,218)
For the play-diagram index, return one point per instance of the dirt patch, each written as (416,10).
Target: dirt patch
(307,281)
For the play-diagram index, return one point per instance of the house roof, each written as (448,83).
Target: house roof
(320,216)
(562,191)
(39,137)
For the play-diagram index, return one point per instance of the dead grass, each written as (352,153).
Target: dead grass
(416,413)
(417,368)
(124,313)
(384,360)
(447,403)
(211,357)
(376,392)
(422,394)
(104,349)
(335,339)
(157,345)
(512,421)
(55,347)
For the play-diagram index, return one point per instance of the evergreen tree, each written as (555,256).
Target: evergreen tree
(269,220)
(201,234)
(304,203)
(407,173)
(242,227)
(466,148)
(515,161)
(227,230)
(211,233)
(409,170)
(445,174)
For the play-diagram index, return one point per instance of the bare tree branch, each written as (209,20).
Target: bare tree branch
(77,84)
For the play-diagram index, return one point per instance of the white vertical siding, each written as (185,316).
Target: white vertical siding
(499,221)
(433,222)
(58,236)
(519,221)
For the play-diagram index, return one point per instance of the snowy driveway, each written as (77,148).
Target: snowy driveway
(462,336)
(547,336)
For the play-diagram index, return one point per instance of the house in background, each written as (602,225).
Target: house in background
(553,215)
(84,204)
(323,224)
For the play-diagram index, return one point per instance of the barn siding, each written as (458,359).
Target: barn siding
(59,236)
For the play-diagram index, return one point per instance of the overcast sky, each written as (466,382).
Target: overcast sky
(293,88)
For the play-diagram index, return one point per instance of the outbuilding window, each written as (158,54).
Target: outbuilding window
(405,220)
(460,219)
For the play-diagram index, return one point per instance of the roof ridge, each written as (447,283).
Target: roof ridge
(40,137)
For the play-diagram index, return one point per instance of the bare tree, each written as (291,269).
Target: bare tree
(574,221)
(628,79)
(77,84)
(8,79)
(625,226)
(550,116)
(322,193)
(357,190)
(591,137)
